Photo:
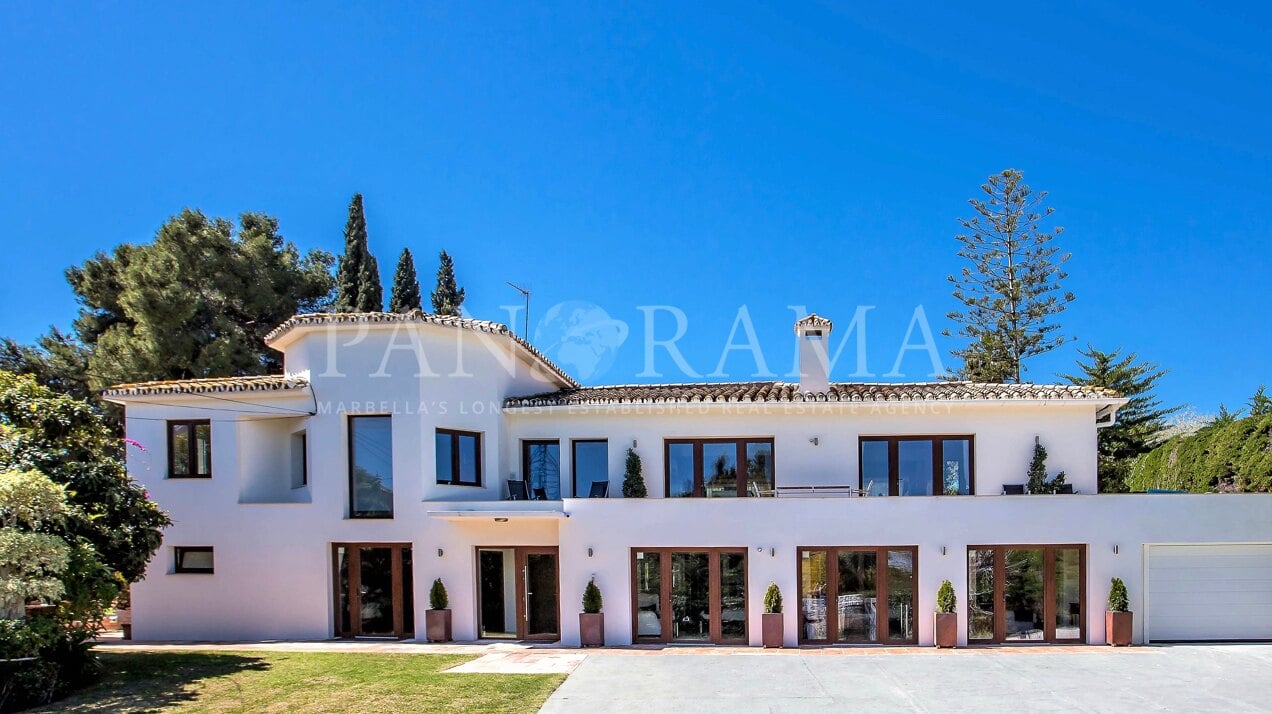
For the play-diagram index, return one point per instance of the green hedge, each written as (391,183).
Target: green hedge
(1233,456)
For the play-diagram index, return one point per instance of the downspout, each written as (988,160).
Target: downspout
(1106,416)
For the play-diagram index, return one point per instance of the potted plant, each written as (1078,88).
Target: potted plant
(945,622)
(123,612)
(592,620)
(1119,619)
(772,618)
(437,619)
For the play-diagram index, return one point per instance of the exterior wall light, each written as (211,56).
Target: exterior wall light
(772,552)
(439,552)
(1115,549)
(814,441)
(942,550)
(589,552)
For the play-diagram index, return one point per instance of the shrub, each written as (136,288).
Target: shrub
(1233,455)
(772,599)
(1038,482)
(946,600)
(633,481)
(592,601)
(1117,596)
(437,596)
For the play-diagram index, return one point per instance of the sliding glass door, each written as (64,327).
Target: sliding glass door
(1026,593)
(842,590)
(374,590)
(689,594)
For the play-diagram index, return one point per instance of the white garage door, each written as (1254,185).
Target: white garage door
(1210,592)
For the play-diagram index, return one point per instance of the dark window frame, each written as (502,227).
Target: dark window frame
(192,449)
(1048,592)
(181,550)
(894,465)
(882,624)
(699,482)
(526,445)
(574,464)
(455,435)
(304,457)
(350,457)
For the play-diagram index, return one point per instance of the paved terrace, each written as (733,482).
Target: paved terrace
(737,680)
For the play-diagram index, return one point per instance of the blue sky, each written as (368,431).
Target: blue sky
(701,157)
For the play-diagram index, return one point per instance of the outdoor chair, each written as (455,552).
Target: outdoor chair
(1013,489)
(517,490)
(600,489)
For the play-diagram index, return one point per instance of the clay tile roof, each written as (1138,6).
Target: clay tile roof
(778,392)
(267,383)
(415,317)
(812,319)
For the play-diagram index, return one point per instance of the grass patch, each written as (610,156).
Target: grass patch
(302,682)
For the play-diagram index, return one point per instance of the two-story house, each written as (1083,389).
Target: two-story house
(400,448)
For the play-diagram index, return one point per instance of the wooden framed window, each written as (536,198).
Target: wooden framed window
(1026,593)
(710,467)
(458,457)
(858,594)
(918,465)
(190,449)
(370,466)
(689,594)
(193,559)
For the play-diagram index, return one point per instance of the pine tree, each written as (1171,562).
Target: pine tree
(406,286)
(358,278)
(1011,291)
(1139,422)
(448,298)
(1260,404)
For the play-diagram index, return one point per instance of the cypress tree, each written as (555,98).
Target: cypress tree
(370,292)
(448,298)
(406,286)
(358,277)
(349,274)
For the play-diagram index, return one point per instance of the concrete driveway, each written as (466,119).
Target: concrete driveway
(1201,678)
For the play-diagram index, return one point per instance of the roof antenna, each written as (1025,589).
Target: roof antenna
(523,291)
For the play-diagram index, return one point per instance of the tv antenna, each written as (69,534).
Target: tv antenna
(526,293)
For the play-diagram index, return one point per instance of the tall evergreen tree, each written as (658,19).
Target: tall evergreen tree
(406,285)
(1010,292)
(448,298)
(1139,422)
(195,302)
(358,277)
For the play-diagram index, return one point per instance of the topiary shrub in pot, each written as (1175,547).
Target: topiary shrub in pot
(592,620)
(771,622)
(437,619)
(945,621)
(1118,621)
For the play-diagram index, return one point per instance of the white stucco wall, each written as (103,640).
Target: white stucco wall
(272,544)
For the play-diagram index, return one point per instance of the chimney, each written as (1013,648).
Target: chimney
(813,334)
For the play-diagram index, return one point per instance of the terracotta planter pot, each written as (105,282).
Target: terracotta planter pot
(591,629)
(437,625)
(945,627)
(1117,628)
(771,629)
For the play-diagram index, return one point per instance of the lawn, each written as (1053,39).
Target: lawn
(302,682)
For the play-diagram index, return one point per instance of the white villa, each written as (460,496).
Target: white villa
(401,448)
